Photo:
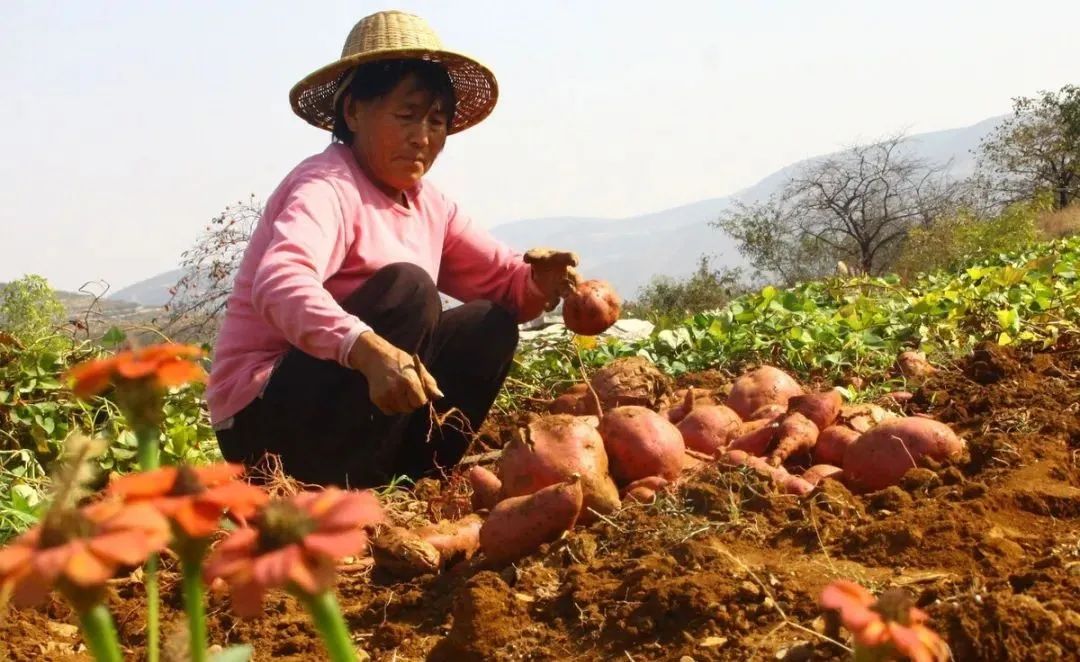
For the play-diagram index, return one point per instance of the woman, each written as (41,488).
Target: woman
(335,353)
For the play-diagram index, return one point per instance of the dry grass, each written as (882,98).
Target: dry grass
(1060,223)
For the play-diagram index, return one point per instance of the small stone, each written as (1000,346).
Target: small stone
(686,658)
(974,490)
(712,642)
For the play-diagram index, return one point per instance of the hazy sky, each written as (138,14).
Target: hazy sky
(126,126)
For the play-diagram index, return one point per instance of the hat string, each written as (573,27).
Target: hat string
(344,84)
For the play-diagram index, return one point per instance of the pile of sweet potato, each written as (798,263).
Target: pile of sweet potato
(627,435)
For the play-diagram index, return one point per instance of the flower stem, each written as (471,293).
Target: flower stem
(194,605)
(100,633)
(327,616)
(147,438)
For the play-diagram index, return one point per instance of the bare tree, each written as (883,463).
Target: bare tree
(854,207)
(1036,150)
(199,297)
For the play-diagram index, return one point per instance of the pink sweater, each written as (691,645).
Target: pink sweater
(325,230)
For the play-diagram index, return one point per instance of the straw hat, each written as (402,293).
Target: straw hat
(391,35)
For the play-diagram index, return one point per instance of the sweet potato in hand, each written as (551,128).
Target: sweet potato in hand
(518,526)
(591,307)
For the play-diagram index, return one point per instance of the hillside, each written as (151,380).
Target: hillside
(630,251)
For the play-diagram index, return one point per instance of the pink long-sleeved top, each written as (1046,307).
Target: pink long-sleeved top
(325,230)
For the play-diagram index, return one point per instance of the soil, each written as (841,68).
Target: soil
(726,569)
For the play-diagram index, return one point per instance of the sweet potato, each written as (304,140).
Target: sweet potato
(518,526)
(550,450)
(831,444)
(455,540)
(486,487)
(401,552)
(882,455)
(863,416)
(687,399)
(914,366)
(591,308)
(768,412)
(820,472)
(758,439)
(645,489)
(821,408)
(796,433)
(708,428)
(631,380)
(778,475)
(641,443)
(764,386)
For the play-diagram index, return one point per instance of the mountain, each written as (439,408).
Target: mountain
(630,251)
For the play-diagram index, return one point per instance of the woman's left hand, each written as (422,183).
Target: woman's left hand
(553,272)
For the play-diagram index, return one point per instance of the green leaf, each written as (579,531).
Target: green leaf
(1009,319)
(1004,339)
(114,336)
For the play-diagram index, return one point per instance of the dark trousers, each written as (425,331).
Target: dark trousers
(316,415)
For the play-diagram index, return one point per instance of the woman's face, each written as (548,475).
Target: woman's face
(396,137)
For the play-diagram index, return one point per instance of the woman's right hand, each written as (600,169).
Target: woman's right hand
(398,382)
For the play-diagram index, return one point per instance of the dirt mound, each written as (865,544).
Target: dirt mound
(726,570)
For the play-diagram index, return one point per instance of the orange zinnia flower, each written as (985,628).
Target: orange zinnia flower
(164,365)
(78,550)
(194,498)
(293,544)
(890,623)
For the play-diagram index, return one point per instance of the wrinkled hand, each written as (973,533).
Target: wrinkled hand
(553,272)
(398,382)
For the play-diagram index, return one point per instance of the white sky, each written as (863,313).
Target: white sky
(126,126)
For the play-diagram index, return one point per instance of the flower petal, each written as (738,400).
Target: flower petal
(875,633)
(90,377)
(30,589)
(175,373)
(198,519)
(129,547)
(49,563)
(87,569)
(144,484)
(241,540)
(247,598)
(237,497)
(14,557)
(841,593)
(216,474)
(350,510)
(130,367)
(271,570)
(336,545)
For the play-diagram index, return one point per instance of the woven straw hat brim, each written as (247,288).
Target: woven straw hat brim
(474,86)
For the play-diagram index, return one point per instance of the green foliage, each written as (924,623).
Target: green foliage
(29,310)
(667,299)
(853,325)
(38,415)
(965,235)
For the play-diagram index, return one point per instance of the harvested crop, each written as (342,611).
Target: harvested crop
(518,526)
(880,457)
(486,487)
(757,440)
(456,540)
(645,489)
(641,443)
(687,398)
(821,408)
(796,434)
(832,443)
(708,428)
(573,400)
(820,472)
(631,380)
(591,308)
(550,450)
(401,552)
(770,411)
(778,475)
(766,385)
(914,366)
(864,416)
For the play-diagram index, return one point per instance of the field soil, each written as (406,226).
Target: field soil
(726,569)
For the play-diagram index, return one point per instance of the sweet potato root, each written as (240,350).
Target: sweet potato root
(820,472)
(641,443)
(518,526)
(644,490)
(832,443)
(455,540)
(767,412)
(796,433)
(780,476)
(758,439)
(821,408)
(687,399)
(591,308)
(486,487)
(708,428)
(402,553)
(631,380)
(914,366)
(881,456)
(550,450)
(764,386)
